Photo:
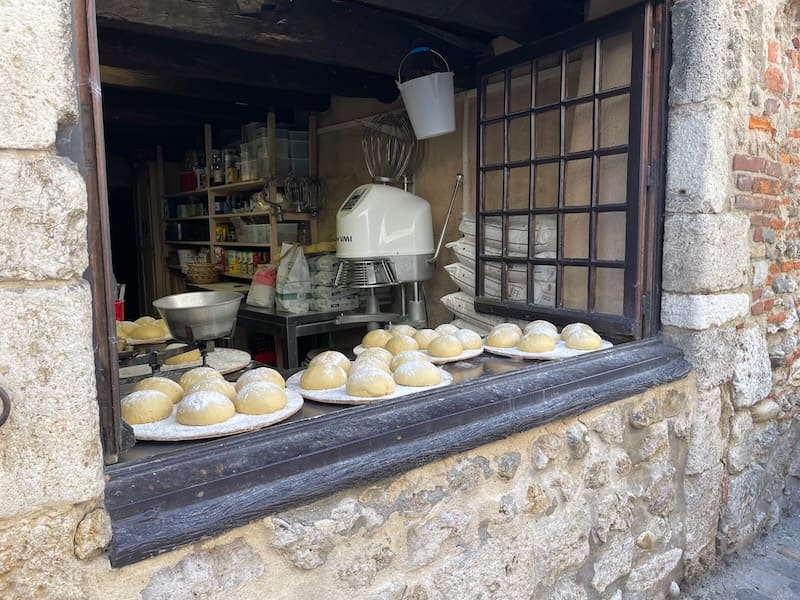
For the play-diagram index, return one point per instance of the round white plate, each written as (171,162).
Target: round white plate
(224,360)
(169,430)
(437,360)
(561,351)
(339,395)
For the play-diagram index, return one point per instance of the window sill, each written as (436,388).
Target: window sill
(161,503)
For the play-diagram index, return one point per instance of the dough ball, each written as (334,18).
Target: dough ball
(370,383)
(540,326)
(446,329)
(402,329)
(407,356)
(161,384)
(583,339)
(376,338)
(182,359)
(537,342)
(381,354)
(214,385)
(445,346)
(125,327)
(146,332)
(423,337)
(204,408)
(401,342)
(145,320)
(332,357)
(418,374)
(323,376)
(198,374)
(260,398)
(567,331)
(260,374)
(512,326)
(505,337)
(162,325)
(469,339)
(145,406)
(371,362)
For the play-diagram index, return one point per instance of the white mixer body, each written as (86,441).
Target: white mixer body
(383,222)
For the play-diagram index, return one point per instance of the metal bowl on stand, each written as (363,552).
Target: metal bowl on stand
(199,316)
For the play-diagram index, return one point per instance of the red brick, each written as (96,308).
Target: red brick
(771,187)
(758,234)
(743,162)
(796,42)
(773,80)
(760,123)
(744,182)
(777,317)
(773,169)
(758,220)
(757,309)
(748,203)
(777,224)
(756,294)
(794,133)
(773,48)
(787,266)
(769,304)
(774,268)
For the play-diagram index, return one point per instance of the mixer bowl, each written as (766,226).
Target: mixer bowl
(198,316)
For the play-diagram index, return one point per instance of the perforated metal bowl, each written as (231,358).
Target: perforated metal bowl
(198,316)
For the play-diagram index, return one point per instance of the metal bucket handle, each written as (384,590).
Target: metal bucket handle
(417,50)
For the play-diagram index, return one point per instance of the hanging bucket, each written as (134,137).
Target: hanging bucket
(429,99)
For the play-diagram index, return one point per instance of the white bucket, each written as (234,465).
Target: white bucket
(429,100)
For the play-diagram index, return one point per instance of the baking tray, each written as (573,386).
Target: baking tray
(437,360)
(561,351)
(224,360)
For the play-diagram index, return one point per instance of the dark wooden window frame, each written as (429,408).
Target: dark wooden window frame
(647,23)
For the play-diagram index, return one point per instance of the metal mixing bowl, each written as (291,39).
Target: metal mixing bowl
(197,316)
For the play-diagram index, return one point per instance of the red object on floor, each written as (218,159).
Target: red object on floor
(267,357)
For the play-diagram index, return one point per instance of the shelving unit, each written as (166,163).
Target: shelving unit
(205,199)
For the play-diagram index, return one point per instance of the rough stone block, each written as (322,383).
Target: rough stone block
(654,571)
(609,425)
(698,159)
(691,311)
(765,410)
(705,253)
(614,562)
(654,445)
(741,442)
(705,61)
(43,201)
(47,368)
(737,519)
(752,372)
(555,554)
(709,353)
(702,496)
(705,441)
(37,81)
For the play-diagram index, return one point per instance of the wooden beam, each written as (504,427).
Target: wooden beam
(316,30)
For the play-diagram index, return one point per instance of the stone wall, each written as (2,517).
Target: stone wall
(731,250)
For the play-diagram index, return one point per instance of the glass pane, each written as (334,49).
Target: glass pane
(547,131)
(493,144)
(545,185)
(516,283)
(518,188)
(574,286)
(578,182)
(520,94)
(548,80)
(492,236)
(493,95)
(545,236)
(491,282)
(615,61)
(544,285)
(576,235)
(517,236)
(578,120)
(580,72)
(609,290)
(493,190)
(519,138)
(614,120)
(612,179)
(610,236)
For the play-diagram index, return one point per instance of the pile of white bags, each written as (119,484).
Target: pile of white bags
(324,296)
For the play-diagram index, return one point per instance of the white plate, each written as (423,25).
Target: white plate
(338,395)
(169,430)
(224,360)
(561,351)
(159,340)
(437,360)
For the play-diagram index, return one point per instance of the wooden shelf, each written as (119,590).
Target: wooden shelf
(189,194)
(241,186)
(174,219)
(237,275)
(187,243)
(259,213)
(288,217)
(242,244)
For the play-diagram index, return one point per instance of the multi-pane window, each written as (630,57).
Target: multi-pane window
(562,176)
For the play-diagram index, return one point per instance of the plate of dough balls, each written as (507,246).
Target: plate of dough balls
(447,343)
(376,374)
(224,360)
(541,340)
(203,404)
(144,330)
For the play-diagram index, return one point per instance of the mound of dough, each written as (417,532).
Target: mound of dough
(445,346)
(372,362)
(569,329)
(540,326)
(323,376)
(376,338)
(418,373)
(214,385)
(370,383)
(446,329)
(406,356)
(380,354)
(146,332)
(198,374)
(124,328)
(161,384)
(424,337)
(145,320)
(331,357)
(204,408)
(260,398)
(503,337)
(402,329)
(182,359)
(162,325)
(537,342)
(145,406)
(401,342)
(469,339)
(260,374)
(583,339)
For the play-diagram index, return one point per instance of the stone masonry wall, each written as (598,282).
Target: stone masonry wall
(732,254)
